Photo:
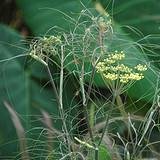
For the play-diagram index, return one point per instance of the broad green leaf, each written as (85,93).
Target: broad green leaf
(43,15)
(26,93)
(145,88)
(13,85)
(140,19)
(141,14)
(104,153)
(12,74)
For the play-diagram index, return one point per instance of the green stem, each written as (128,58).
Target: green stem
(104,130)
(61,102)
(124,114)
(59,98)
(121,106)
(53,84)
(85,99)
(105,127)
(96,153)
(90,86)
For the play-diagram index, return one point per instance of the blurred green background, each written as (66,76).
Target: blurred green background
(136,25)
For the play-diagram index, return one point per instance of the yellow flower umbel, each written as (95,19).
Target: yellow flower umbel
(112,69)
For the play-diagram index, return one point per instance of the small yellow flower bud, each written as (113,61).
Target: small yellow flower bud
(112,70)
(141,67)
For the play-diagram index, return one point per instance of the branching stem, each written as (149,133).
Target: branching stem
(59,98)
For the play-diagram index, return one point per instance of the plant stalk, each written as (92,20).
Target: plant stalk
(121,106)
(85,99)
(106,123)
(61,101)
(59,98)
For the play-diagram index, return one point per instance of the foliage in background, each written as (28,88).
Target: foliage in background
(23,81)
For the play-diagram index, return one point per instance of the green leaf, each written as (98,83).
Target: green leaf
(140,19)
(141,14)
(143,89)
(104,153)
(13,86)
(43,15)
(26,94)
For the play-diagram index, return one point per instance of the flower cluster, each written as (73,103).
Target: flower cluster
(104,23)
(112,58)
(140,67)
(44,47)
(112,69)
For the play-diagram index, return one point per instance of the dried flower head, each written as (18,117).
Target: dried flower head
(44,47)
(104,23)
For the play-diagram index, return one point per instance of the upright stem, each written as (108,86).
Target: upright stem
(124,114)
(85,102)
(101,40)
(59,98)
(121,106)
(106,123)
(90,86)
(85,107)
(61,101)
(104,130)
(96,153)
(85,99)
(53,84)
